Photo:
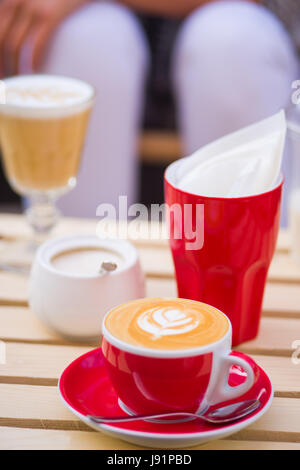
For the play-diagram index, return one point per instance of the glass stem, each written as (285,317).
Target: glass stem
(42,214)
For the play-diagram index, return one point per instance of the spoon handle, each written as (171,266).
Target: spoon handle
(124,419)
(224,414)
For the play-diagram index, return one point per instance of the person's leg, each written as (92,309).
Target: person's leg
(234,64)
(103,44)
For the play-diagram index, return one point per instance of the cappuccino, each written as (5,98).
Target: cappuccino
(166,324)
(43,121)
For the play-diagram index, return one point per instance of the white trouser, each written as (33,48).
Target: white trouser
(233,64)
(103,44)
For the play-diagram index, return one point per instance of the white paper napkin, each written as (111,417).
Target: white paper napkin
(243,163)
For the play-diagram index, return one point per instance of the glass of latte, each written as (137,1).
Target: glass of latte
(43,122)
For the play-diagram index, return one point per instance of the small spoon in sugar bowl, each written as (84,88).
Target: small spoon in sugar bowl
(107,267)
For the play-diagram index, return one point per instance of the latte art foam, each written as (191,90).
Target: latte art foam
(163,321)
(167,323)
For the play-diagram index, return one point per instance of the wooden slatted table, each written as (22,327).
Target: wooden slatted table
(32,415)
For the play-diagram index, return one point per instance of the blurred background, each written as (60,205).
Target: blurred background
(204,69)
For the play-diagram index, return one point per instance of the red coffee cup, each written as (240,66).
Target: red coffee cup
(153,381)
(222,248)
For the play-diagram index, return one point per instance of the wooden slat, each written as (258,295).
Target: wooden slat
(45,439)
(157,263)
(42,439)
(35,407)
(41,407)
(284,241)
(283,269)
(154,254)
(13,289)
(280,299)
(14,227)
(19,324)
(35,364)
(161,287)
(276,337)
(156,260)
(284,374)
(281,422)
(277,331)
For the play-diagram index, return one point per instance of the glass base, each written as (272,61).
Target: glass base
(42,217)
(16,256)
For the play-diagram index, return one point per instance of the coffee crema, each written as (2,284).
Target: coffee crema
(166,324)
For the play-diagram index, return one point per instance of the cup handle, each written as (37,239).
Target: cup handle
(223,391)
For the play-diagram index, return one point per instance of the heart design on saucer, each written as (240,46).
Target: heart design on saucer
(85,388)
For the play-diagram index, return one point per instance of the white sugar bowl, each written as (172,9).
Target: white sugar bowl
(76,279)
